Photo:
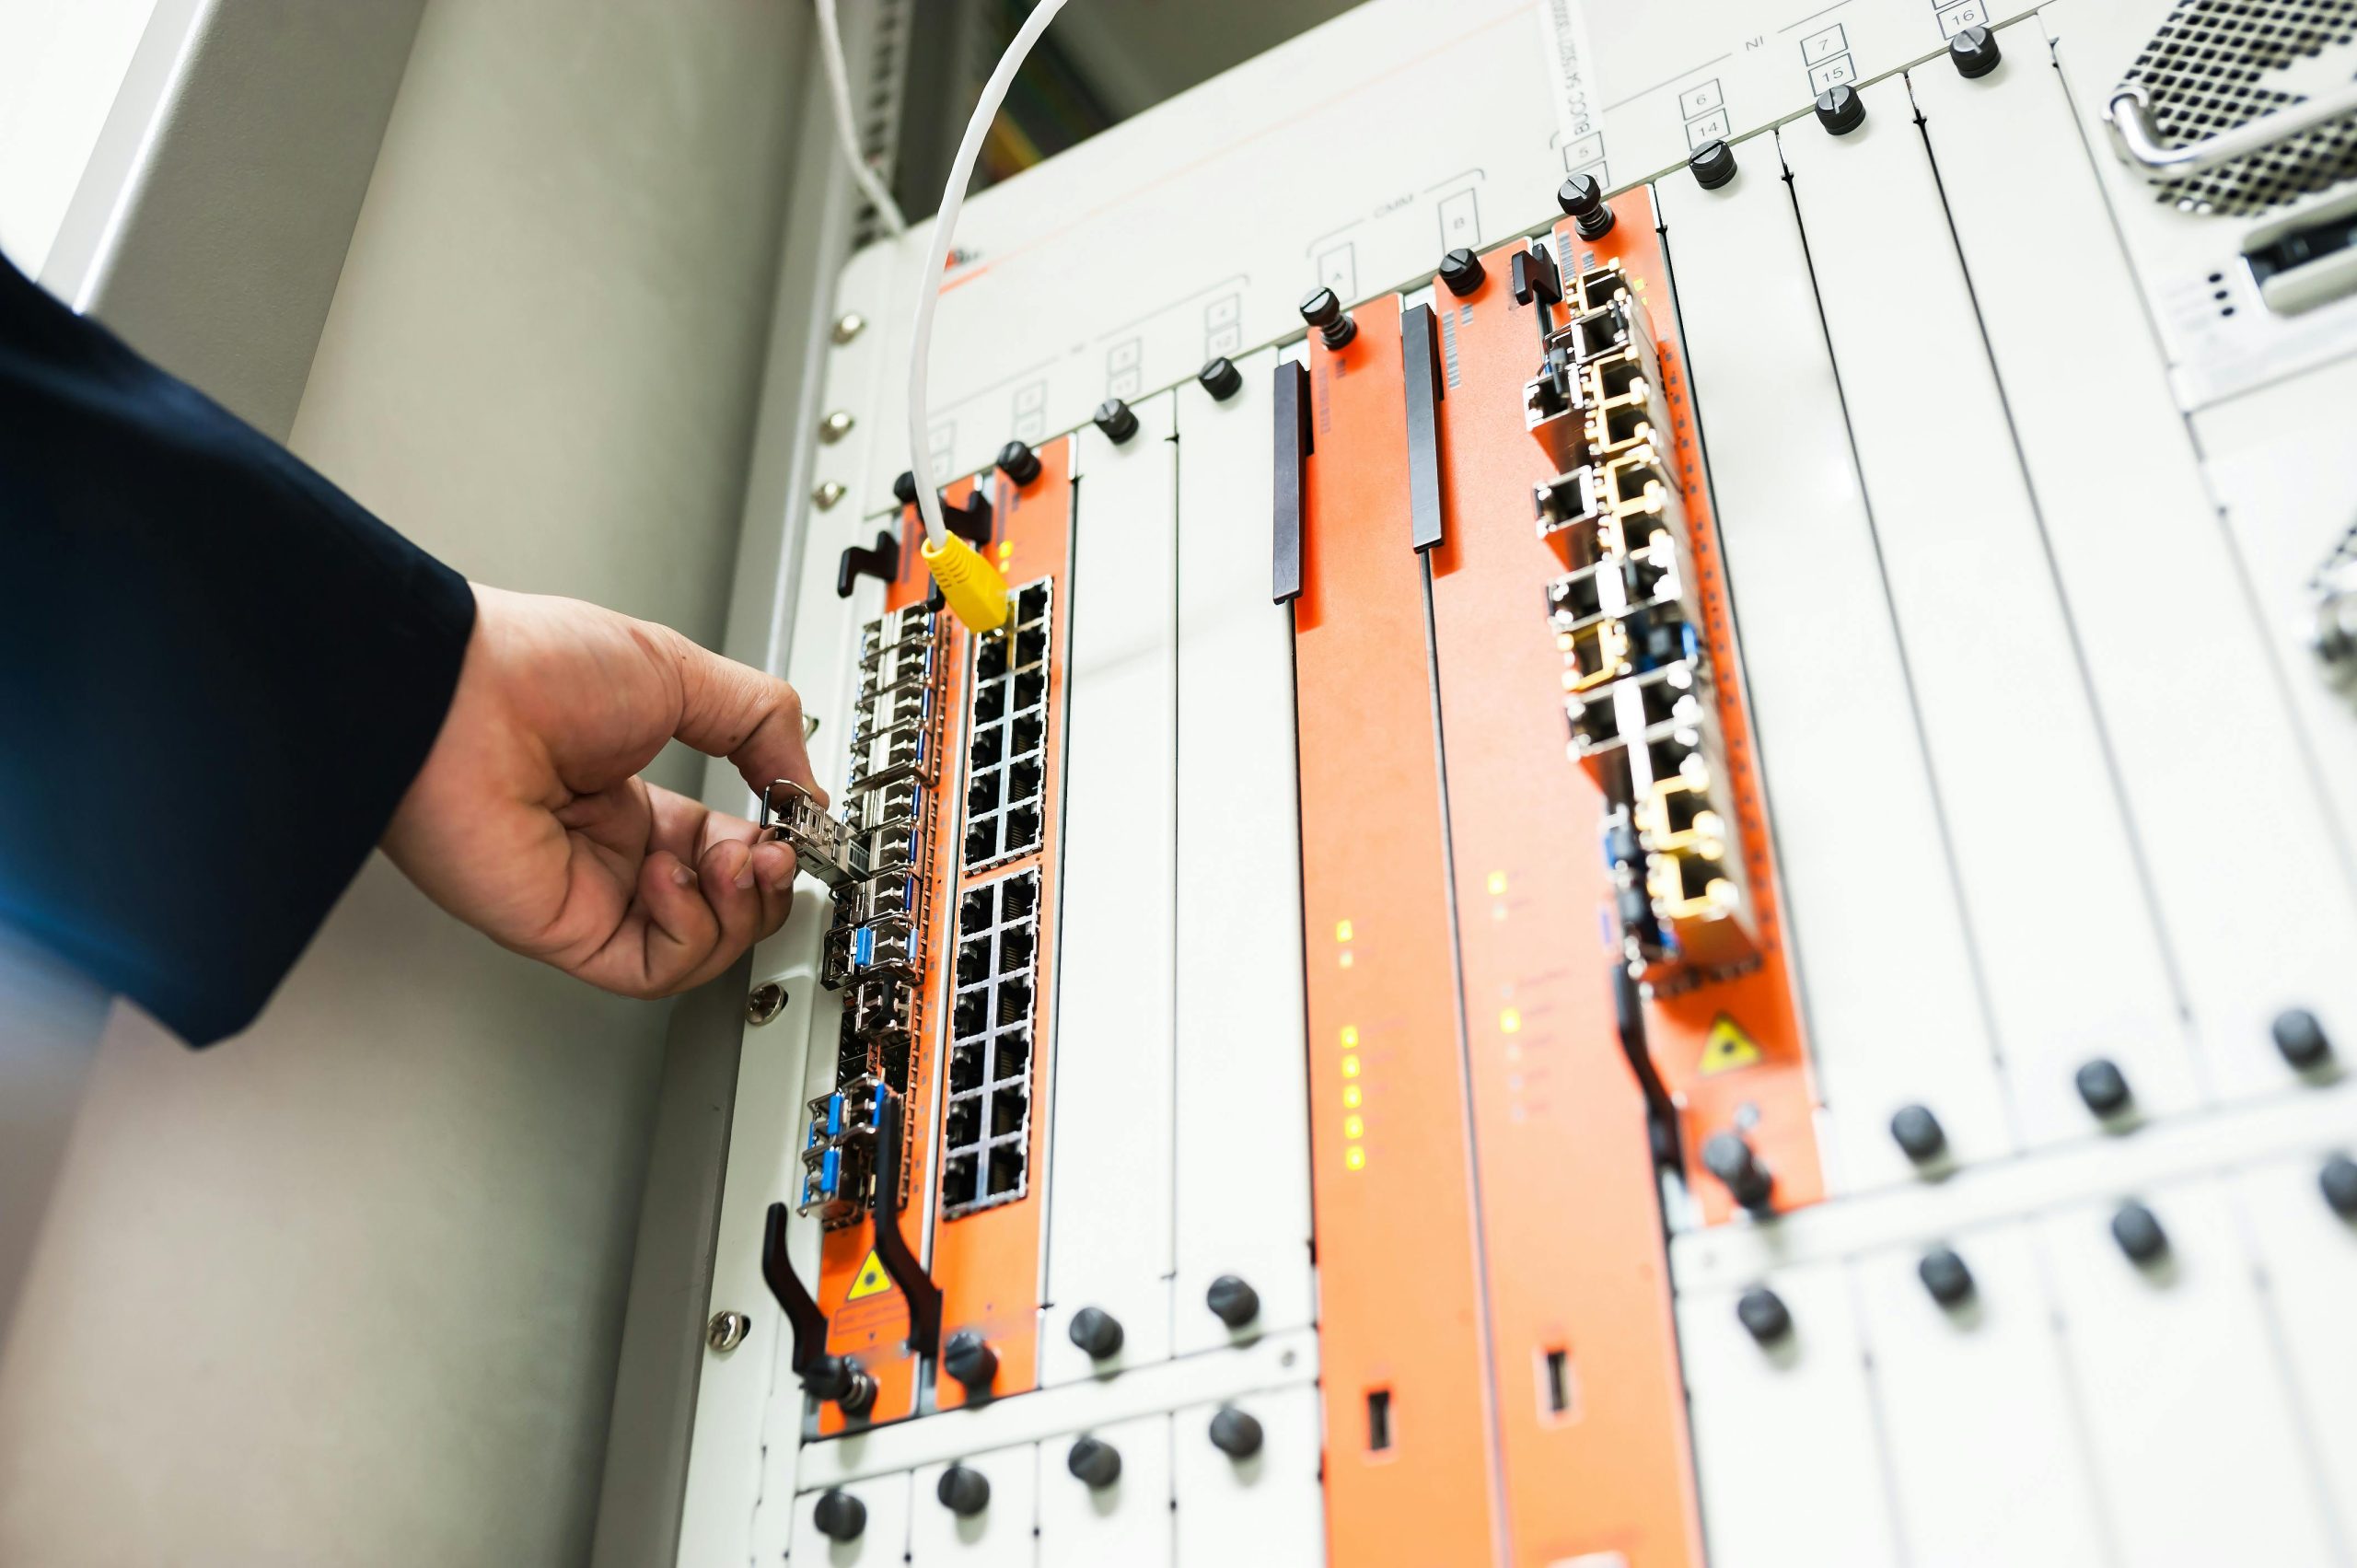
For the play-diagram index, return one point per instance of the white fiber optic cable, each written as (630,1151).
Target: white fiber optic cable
(945,224)
(830,35)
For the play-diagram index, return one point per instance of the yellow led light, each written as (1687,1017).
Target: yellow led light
(1350,1066)
(1510,1021)
(1346,958)
(1354,1157)
(1497,883)
(1353,1127)
(1350,1034)
(1351,1096)
(1342,930)
(1006,549)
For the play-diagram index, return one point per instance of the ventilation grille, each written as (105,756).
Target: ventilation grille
(2206,70)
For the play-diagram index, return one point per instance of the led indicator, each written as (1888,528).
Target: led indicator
(1354,1157)
(1497,883)
(1350,1034)
(1510,1021)
(1354,1127)
(1350,1066)
(1342,930)
(1351,1096)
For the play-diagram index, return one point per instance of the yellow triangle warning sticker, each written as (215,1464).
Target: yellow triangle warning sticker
(1728,1047)
(872,1280)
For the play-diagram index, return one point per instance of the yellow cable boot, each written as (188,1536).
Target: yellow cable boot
(977,594)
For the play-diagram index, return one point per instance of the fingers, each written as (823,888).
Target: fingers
(754,720)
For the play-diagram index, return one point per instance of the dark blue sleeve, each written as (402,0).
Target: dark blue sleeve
(219,674)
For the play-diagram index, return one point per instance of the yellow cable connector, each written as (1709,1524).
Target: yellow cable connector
(977,594)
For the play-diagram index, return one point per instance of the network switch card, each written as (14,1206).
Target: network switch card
(1460,966)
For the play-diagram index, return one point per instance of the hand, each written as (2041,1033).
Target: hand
(529,821)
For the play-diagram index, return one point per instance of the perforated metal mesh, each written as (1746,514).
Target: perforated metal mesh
(2207,70)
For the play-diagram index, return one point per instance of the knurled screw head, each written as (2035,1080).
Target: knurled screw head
(1975,52)
(1097,1331)
(1219,377)
(970,1359)
(2338,1181)
(964,1490)
(1728,1156)
(2300,1036)
(2138,1231)
(2103,1087)
(1582,199)
(1918,1132)
(1461,271)
(1840,109)
(1713,165)
(839,1515)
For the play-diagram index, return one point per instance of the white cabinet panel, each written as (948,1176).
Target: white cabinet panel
(1986,1457)
(1784,1440)
(2195,1440)
(2028,800)
(1242,1101)
(2257,911)
(1871,911)
(1126,1523)
(2308,1255)
(884,1539)
(1002,1535)
(1110,1158)
(1267,1508)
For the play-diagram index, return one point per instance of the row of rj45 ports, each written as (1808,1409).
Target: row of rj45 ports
(1637,692)
(986,1118)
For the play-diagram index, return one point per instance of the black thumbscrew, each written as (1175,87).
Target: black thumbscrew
(963,1491)
(1728,1156)
(839,1515)
(1019,462)
(843,1380)
(1975,52)
(1231,1301)
(2103,1087)
(1918,1132)
(1461,271)
(970,1359)
(1839,109)
(1219,377)
(1713,165)
(1094,1460)
(2138,1231)
(1235,1433)
(1763,1315)
(1117,420)
(1097,1331)
(1322,310)
(1582,199)
(1945,1275)
(2300,1036)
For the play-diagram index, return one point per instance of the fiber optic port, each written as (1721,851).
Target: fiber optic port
(1599,288)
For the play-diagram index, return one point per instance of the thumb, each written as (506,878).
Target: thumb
(731,710)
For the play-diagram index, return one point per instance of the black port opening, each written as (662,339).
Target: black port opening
(1644,578)
(1006,1169)
(965,1064)
(1011,1056)
(971,1015)
(1602,286)
(981,795)
(984,752)
(1661,706)
(989,701)
(1594,720)
(1555,1382)
(1030,646)
(1598,331)
(1378,1420)
(1619,377)
(896,1065)
(963,1122)
(1575,599)
(982,839)
(1680,808)
(1023,779)
(957,1180)
(1030,688)
(1032,604)
(975,911)
(973,961)
(1021,897)
(1014,950)
(1009,1104)
(1630,480)
(990,658)
(1023,827)
(1695,876)
(1026,728)
(1626,424)
(1665,753)
(1014,1000)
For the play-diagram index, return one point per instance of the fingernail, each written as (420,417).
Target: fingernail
(683,876)
(745,873)
(778,883)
